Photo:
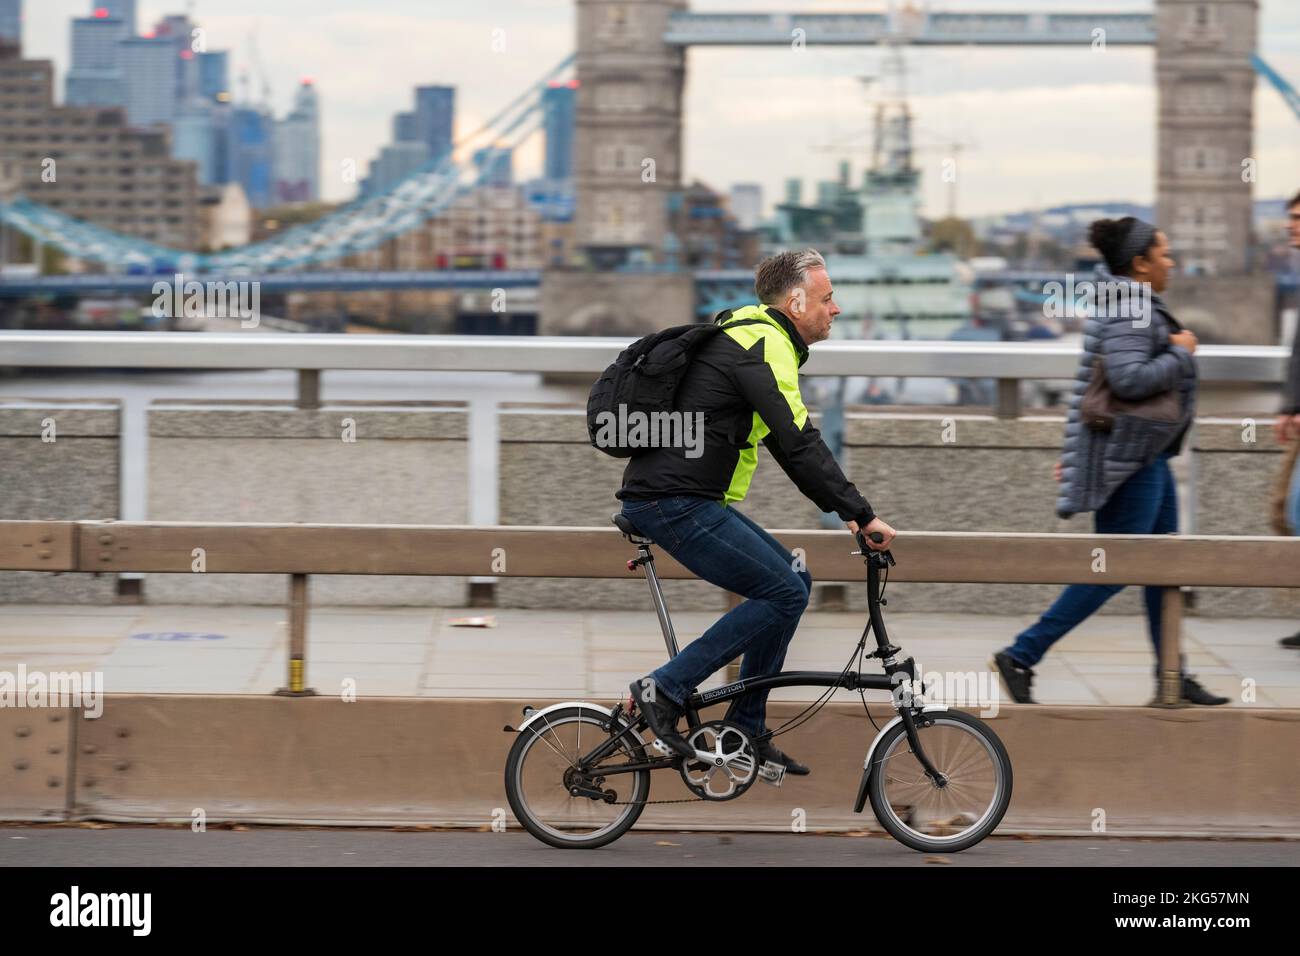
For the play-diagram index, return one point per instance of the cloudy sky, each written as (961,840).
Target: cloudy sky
(1037,127)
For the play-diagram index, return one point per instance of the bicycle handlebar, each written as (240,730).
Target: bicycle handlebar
(876,537)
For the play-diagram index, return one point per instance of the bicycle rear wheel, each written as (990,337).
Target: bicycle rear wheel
(966,808)
(542,766)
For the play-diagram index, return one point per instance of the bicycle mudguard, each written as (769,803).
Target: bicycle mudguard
(539,714)
(866,764)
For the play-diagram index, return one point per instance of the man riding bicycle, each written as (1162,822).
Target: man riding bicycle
(745,382)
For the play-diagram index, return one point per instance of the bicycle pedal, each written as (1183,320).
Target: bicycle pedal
(662,748)
(772,773)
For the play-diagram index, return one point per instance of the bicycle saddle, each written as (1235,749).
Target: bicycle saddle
(624,524)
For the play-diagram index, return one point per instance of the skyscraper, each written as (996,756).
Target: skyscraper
(393,164)
(405,128)
(179,29)
(148,67)
(250,150)
(123,10)
(194,137)
(95,76)
(297,148)
(11,25)
(494,163)
(435,111)
(160,71)
(214,74)
(558,112)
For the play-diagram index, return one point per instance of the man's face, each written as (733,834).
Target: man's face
(812,308)
(1293,225)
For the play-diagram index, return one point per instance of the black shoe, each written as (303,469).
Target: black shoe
(662,718)
(1017,677)
(1194,693)
(1292,641)
(766,751)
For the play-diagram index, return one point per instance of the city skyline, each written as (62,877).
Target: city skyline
(1006,107)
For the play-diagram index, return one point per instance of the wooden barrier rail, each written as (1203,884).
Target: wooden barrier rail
(299,550)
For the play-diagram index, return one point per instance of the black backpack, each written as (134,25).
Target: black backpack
(644,379)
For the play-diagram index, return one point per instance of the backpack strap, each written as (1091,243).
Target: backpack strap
(739,322)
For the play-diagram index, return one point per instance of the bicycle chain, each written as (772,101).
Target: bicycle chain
(628,803)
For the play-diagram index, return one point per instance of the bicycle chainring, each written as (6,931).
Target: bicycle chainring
(733,767)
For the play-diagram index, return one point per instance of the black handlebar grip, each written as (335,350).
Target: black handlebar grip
(876,536)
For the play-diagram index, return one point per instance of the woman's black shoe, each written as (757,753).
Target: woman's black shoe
(1292,641)
(1017,677)
(1194,693)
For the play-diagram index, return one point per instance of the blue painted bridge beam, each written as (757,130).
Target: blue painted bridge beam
(989,28)
(276,282)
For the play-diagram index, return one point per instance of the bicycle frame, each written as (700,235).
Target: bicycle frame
(848,680)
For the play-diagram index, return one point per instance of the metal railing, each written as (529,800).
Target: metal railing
(309,354)
(300,550)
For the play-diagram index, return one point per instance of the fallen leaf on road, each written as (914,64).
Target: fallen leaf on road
(665,843)
(937,859)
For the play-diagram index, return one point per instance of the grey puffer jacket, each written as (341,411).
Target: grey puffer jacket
(1140,362)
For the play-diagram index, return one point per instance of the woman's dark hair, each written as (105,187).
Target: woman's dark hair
(1111,237)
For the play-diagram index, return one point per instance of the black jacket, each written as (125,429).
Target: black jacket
(743,385)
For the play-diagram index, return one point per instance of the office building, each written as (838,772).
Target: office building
(123,10)
(494,165)
(297,149)
(435,113)
(105,172)
(251,154)
(148,66)
(11,27)
(214,75)
(94,74)
(558,105)
(394,163)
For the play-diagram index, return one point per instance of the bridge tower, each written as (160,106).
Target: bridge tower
(1205,85)
(1205,167)
(627,169)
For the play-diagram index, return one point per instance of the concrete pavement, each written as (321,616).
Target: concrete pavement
(418,652)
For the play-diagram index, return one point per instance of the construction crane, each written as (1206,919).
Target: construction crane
(256,60)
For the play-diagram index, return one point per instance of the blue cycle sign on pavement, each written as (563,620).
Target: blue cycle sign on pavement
(178,636)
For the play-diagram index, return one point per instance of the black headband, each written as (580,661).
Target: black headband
(1139,239)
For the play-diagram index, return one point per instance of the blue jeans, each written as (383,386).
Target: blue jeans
(1147,503)
(722,546)
(1293,499)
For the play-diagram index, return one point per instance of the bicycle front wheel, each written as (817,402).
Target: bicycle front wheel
(542,768)
(955,814)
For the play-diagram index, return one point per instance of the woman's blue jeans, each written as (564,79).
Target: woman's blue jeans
(722,546)
(1147,503)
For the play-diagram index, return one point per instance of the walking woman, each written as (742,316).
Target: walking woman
(1121,474)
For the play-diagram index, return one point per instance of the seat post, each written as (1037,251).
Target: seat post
(657,595)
